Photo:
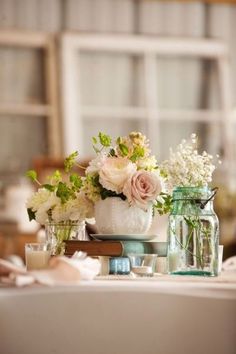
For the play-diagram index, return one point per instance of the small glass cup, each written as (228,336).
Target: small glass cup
(37,255)
(142,265)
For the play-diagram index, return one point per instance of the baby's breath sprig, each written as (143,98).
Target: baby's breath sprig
(187,167)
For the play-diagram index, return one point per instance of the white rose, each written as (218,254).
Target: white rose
(41,216)
(43,199)
(114,173)
(96,164)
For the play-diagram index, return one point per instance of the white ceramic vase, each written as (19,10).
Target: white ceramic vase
(115,216)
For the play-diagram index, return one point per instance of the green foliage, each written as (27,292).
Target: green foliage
(105,140)
(31,174)
(64,192)
(49,187)
(94,140)
(163,173)
(124,149)
(118,140)
(76,180)
(96,149)
(70,161)
(165,206)
(56,177)
(137,153)
(105,193)
(112,152)
(193,223)
(95,180)
(31,214)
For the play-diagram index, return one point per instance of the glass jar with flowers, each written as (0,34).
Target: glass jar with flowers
(60,205)
(193,232)
(124,183)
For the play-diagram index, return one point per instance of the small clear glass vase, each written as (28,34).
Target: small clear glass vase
(193,233)
(57,233)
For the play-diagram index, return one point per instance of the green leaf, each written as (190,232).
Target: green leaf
(31,214)
(96,149)
(124,149)
(32,174)
(166,206)
(112,152)
(138,153)
(76,180)
(105,140)
(49,187)
(94,180)
(63,192)
(105,193)
(70,161)
(56,176)
(94,139)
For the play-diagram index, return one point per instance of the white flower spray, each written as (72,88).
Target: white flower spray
(186,167)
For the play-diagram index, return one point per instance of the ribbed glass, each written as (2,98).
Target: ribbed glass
(57,233)
(193,233)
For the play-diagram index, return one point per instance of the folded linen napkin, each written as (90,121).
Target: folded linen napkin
(229,264)
(61,271)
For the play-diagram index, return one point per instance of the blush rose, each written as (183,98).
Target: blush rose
(141,188)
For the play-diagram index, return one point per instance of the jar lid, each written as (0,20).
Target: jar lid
(201,195)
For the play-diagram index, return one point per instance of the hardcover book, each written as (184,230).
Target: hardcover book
(115,248)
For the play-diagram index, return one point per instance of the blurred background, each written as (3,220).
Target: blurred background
(72,68)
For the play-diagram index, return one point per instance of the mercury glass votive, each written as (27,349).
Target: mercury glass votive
(143,265)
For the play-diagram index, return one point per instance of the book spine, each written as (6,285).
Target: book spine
(115,248)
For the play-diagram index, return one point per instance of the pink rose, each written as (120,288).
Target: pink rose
(114,173)
(142,187)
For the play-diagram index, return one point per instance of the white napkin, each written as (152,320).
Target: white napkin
(61,271)
(229,264)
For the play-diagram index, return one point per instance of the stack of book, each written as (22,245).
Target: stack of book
(113,254)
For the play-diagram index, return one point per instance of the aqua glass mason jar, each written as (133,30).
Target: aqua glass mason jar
(193,233)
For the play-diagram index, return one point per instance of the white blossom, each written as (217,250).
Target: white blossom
(96,164)
(76,209)
(186,167)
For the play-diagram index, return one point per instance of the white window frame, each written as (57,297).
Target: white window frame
(148,48)
(45,42)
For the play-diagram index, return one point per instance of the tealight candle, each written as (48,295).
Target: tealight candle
(142,264)
(142,270)
(37,256)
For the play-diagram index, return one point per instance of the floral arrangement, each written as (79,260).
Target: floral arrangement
(186,167)
(59,201)
(125,170)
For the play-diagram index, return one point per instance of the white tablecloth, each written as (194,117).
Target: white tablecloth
(163,315)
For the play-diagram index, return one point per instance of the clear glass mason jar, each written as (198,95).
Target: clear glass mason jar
(193,233)
(57,233)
